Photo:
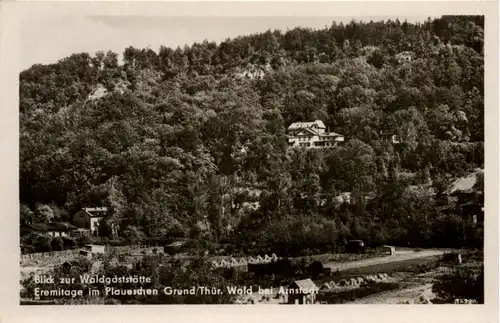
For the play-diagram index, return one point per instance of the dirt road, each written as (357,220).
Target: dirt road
(399,256)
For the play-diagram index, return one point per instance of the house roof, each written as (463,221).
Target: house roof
(307,130)
(306,285)
(301,125)
(464,184)
(96,209)
(63,226)
(48,227)
(331,134)
(39,226)
(95,212)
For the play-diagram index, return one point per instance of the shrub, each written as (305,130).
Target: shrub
(57,244)
(82,263)
(462,283)
(68,242)
(132,234)
(40,242)
(43,243)
(84,239)
(29,249)
(104,229)
(117,242)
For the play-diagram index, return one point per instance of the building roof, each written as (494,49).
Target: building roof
(306,285)
(331,134)
(65,226)
(307,130)
(301,125)
(465,184)
(95,212)
(49,227)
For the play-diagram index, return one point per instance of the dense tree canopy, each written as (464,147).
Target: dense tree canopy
(192,139)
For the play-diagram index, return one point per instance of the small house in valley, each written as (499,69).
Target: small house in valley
(302,292)
(88,218)
(85,253)
(390,137)
(94,248)
(404,57)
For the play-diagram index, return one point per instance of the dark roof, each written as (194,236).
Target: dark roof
(305,285)
(64,226)
(95,212)
(93,215)
(40,227)
(48,227)
(302,125)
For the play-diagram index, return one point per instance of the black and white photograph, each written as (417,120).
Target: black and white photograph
(267,160)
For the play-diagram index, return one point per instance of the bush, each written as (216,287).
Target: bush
(104,229)
(68,242)
(132,234)
(117,242)
(84,239)
(57,244)
(40,242)
(43,243)
(462,283)
(28,249)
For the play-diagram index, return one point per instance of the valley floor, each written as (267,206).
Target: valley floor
(413,286)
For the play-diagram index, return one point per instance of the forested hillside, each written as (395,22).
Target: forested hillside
(191,142)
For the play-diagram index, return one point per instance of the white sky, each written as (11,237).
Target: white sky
(48,39)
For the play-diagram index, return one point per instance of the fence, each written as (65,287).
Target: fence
(61,256)
(237,262)
(119,249)
(47,256)
(132,249)
(42,255)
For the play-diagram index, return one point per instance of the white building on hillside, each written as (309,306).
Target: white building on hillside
(312,135)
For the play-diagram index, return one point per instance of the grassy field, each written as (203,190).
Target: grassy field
(411,265)
(353,294)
